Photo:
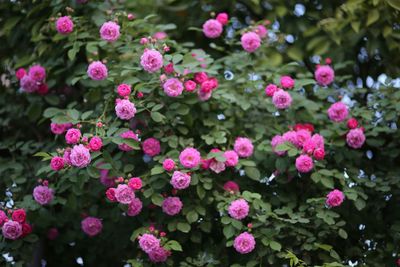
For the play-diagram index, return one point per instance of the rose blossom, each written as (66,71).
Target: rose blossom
(190,85)
(91,226)
(59,128)
(80,156)
(135,207)
(238,209)
(3,218)
(304,126)
(304,163)
(26,229)
(231,186)
(125,109)
(318,140)
(148,242)
(151,147)
(151,60)
(355,138)
(124,194)
(222,18)
(12,230)
(324,75)
(190,158)
(159,254)
(20,73)
(73,136)
(309,146)
(338,112)
(212,28)
(200,77)
(217,166)
(276,141)
(124,89)
(109,31)
(95,143)
(43,89)
(127,135)
(204,96)
(271,89)
(97,71)
(110,194)
(180,180)
(291,137)
(301,137)
(172,205)
(282,99)
(43,194)
(135,183)
(173,87)
(287,82)
(37,72)
(243,147)
(232,158)
(64,25)
(352,123)
(261,31)
(250,41)
(28,84)
(57,163)
(168,69)
(334,198)
(244,243)
(319,154)
(168,165)
(19,215)
(160,35)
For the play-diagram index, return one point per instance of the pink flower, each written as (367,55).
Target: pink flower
(232,158)
(243,147)
(180,180)
(151,60)
(304,163)
(160,35)
(28,84)
(43,194)
(97,71)
(26,229)
(135,207)
(43,89)
(131,16)
(250,41)
(12,230)
(334,198)
(110,194)
(64,25)
(127,135)
(222,18)
(148,242)
(3,218)
(144,41)
(95,143)
(204,96)
(57,163)
(190,158)
(124,89)
(352,123)
(309,146)
(159,254)
(208,85)
(190,85)
(301,137)
(212,28)
(324,75)
(231,186)
(20,73)
(37,72)
(261,31)
(338,112)
(244,243)
(168,69)
(319,154)
(217,166)
(80,156)
(125,109)
(200,77)
(172,205)
(355,138)
(59,128)
(73,136)
(282,99)
(271,89)
(19,215)
(318,140)
(287,82)
(276,141)
(239,209)
(173,87)
(151,147)
(124,194)
(291,137)
(109,31)
(168,165)
(135,183)
(91,226)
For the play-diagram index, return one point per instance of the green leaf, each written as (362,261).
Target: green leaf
(394,3)
(192,216)
(174,245)
(183,227)
(275,245)
(373,16)
(157,199)
(252,173)
(157,116)
(342,233)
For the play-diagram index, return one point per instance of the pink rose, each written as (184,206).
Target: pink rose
(168,165)
(243,147)
(109,31)
(180,180)
(172,205)
(338,112)
(151,147)
(190,85)
(124,194)
(304,163)
(151,60)
(250,41)
(190,158)
(135,183)
(232,158)
(135,207)
(12,230)
(95,143)
(64,25)
(124,89)
(334,198)
(212,28)
(73,136)
(57,163)
(244,243)
(91,226)
(223,18)
(19,215)
(97,71)
(287,82)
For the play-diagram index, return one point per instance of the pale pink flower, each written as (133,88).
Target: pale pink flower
(338,112)
(12,230)
(239,209)
(324,75)
(334,198)
(148,242)
(124,194)
(172,205)
(80,156)
(304,163)
(355,138)
(173,87)
(43,194)
(282,99)
(250,41)
(180,180)
(151,60)
(243,147)
(244,243)
(212,28)
(91,226)
(64,25)
(190,158)
(217,166)
(109,31)
(125,109)
(97,71)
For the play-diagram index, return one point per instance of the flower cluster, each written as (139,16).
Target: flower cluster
(33,81)
(15,227)
(151,245)
(213,28)
(281,98)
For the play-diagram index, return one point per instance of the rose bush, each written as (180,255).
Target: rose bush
(154,151)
